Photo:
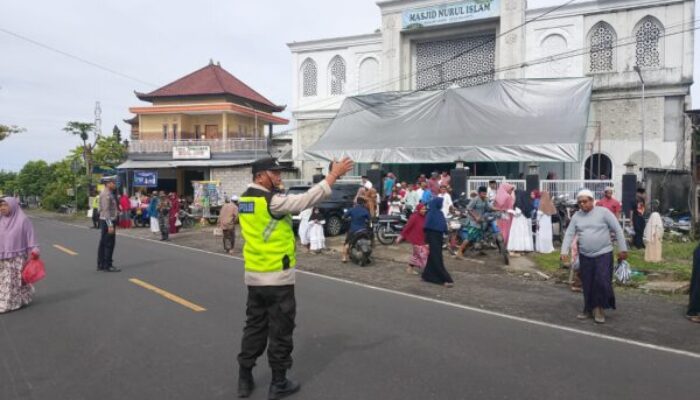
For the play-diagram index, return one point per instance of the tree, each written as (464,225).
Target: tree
(117,133)
(7,130)
(34,177)
(109,152)
(83,130)
(7,182)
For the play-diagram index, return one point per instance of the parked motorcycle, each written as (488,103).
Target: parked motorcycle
(186,219)
(388,227)
(491,238)
(140,217)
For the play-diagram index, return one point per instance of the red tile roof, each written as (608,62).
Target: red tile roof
(208,81)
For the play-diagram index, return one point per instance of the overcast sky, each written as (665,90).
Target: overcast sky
(154,42)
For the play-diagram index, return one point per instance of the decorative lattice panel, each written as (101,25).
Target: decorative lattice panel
(309,78)
(648,35)
(465,62)
(337,76)
(602,48)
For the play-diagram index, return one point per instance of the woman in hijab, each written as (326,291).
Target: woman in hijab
(414,234)
(17,243)
(153,213)
(504,202)
(125,214)
(653,236)
(172,215)
(435,227)
(544,243)
(693,313)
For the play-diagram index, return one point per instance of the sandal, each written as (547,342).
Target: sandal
(693,318)
(449,285)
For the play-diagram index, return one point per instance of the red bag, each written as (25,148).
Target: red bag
(34,271)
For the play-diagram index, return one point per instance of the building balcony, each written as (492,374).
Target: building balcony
(213,145)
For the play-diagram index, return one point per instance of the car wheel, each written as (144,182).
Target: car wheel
(334,226)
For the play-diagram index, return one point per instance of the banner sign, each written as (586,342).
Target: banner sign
(470,10)
(191,153)
(147,179)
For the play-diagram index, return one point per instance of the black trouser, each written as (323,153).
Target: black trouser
(271,311)
(106,249)
(95,218)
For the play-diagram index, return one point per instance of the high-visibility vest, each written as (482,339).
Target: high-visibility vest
(269,240)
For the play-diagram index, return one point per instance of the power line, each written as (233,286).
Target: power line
(77,58)
(452,58)
(542,60)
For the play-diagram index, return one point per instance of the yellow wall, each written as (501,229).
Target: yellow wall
(151,127)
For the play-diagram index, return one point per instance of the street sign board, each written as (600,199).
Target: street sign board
(450,13)
(191,153)
(147,179)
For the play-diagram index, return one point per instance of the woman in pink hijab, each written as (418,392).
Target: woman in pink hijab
(504,202)
(17,243)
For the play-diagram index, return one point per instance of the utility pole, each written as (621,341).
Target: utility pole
(641,78)
(98,119)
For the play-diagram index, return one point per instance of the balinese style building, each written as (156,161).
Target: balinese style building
(208,125)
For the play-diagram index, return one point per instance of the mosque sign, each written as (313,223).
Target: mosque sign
(451,13)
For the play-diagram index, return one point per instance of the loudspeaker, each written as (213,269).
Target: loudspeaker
(375,176)
(459,182)
(532,182)
(629,192)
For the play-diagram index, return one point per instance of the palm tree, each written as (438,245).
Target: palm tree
(82,130)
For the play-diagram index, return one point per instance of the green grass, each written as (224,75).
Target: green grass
(677,264)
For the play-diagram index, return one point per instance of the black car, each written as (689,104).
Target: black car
(333,208)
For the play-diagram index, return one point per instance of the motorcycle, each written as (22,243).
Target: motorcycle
(140,217)
(388,227)
(186,219)
(491,237)
(361,247)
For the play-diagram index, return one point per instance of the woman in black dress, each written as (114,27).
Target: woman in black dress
(435,227)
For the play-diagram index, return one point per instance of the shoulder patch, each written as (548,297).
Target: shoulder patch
(246,207)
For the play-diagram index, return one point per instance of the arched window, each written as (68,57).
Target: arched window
(602,53)
(309,77)
(598,166)
(369,75)
(337,69)
(648,34)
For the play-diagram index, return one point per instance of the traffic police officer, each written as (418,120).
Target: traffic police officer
(108,218)
(269,256)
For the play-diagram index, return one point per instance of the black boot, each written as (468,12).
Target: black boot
(246,384)
(281,386)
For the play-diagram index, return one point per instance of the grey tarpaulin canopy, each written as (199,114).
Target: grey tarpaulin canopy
(505,120)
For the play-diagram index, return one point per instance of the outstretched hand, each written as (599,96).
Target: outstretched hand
(342,167)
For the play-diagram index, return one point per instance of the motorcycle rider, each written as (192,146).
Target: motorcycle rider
(476,210)
(359,219)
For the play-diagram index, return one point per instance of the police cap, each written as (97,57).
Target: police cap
(266,164)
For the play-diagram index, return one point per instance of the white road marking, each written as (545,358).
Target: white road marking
(435,301)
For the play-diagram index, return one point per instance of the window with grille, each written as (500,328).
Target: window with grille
(337,75)
(466,62)
(602,53)
(648,36)
(309,78)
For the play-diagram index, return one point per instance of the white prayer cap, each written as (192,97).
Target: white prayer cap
(585,193)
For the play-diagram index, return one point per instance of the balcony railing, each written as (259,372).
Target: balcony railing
(215,145)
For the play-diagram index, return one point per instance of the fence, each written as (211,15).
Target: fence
(569,188)
(566,188)
(473,184)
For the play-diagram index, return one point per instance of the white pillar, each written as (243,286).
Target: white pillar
(511,46)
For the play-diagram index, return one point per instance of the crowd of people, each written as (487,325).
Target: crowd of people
(159,210)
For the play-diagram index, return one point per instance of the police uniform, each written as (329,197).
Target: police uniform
(108,218)
(270,261)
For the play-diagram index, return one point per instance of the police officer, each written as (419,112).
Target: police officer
(108,219)
(266,225)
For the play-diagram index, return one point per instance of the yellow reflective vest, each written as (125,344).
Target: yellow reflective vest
(269,240)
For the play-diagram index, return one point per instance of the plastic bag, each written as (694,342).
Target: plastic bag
(34,271)
(623,272)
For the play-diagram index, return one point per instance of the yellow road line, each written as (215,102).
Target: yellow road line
(65,250)
(177,299)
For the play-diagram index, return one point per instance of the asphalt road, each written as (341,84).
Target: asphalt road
(92,335)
